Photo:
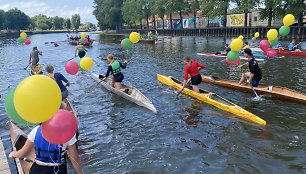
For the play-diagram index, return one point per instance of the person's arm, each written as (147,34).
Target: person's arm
(123,65)
(75,51)
(201,66)
(26,149)
(74,158)
(63,78)
(84,48)
(242,65)
(30,59)
(109,70)
(186,75)
(40,53)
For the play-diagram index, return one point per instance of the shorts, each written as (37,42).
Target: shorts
(38,169)
(118,77)
(196,80)
(255,83)
(81,54)
(65,94)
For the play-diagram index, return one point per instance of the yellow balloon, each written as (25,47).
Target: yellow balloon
(86,63)
(240,37)
(272,34)
(236,44)
(134,37)
(83,35)
(256,34)
(23,35)
(37,98)
(288,20)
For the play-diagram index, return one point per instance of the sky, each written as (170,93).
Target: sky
(62,8)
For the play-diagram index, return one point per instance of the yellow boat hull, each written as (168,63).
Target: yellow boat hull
(214,100)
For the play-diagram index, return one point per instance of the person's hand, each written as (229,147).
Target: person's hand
(125,62)
(12,155)
(68,84)
(104,78)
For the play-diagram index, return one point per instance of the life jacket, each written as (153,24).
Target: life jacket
(116,67)
(46,152)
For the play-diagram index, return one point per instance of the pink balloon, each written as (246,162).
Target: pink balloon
(27,42)
(271,53)
(72,67)
(234,63)
(86,40)
(60,128)
(264,45)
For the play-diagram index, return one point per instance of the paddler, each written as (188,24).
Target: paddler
(254,75)
(115,69)
(59,78)
(34,56)
(294,47)
(81,50)
(192,70)
(246,45)
(49,158)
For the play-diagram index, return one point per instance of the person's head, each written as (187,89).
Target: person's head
(49,68)
(110,58)
(248,53)
(293,41)
(34,48)
(187,59)
(226,45)
(246,43)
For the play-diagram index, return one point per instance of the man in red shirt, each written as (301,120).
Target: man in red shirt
(192,70)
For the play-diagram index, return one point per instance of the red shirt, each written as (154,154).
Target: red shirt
(193,69)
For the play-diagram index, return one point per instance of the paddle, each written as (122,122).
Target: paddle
(71,59)
(255,92)
(27,66)
(185,86)
(94,86)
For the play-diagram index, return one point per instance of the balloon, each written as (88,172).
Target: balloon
(134,37)
(86,41)
(23,35)
(79,65)
(236,44)
(284,30)
(288,20)
(264,45)
(237,62)
(72,67)
(272,34)
(271,53)
(126,43)
(27,42)
(20,40)
(254,39)
(83,35)
(82,40)
(232,56)
(240,37)
(86,63)
(274,42)
(256,34)
(37,98)
(60,128)
(10,108)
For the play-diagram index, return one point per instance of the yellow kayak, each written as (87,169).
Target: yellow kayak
(212,99)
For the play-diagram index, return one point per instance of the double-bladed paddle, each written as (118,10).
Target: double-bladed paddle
(94,86)
(185,86)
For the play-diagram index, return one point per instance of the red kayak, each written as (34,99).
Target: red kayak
(287,52)
(223,56)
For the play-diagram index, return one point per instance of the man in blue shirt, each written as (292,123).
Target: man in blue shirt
(293,47)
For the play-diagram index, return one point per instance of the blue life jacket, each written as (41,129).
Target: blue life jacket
(46,152)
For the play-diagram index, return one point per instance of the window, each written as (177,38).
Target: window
(255,19)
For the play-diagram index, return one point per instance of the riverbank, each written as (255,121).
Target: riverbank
(5,33)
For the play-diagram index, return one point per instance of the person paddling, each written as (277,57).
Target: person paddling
(293,47)
(80,50)
(49,158)
(254,75)
(192,70)
(59,78)
(115,69)
(34,56)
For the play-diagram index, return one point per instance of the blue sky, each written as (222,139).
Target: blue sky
(63,8)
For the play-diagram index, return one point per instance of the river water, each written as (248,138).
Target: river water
(185,136)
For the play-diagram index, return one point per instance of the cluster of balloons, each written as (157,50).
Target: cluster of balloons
(256,35)
(133,39)
(23,39)
(36,100)
(233,56)
(287,21)
(73,67)
(84,39)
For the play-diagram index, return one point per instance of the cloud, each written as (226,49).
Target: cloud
(33,8)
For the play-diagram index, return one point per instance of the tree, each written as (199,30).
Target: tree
(42,22)
(16,20)
(2,18)
(132,11)
(296,7)
(159,8)
(215,8)
(272,9)
(246,6)
(67,23)
(57,22)
(76,21)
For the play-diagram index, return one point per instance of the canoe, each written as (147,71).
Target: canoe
(134,95)
(18,139)
(293,53)
(212,99)
(76,42)
(273,91)
(224,56)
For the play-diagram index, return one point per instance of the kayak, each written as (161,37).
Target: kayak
(133,95)
(273,91)
(18,139)
(76,42)
(37,70)
(212,99)
(224,56)
(293,53)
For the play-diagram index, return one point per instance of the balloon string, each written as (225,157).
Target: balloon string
(56,167)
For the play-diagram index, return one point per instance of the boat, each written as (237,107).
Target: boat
(212,99)
(293,53)
(273,91)
(76,42)
(224,56)
(36,70)
(18,139)
(134,95)
(148,41)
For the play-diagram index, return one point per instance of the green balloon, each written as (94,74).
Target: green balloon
(253,39)
(126,43)
(284,31)
(20,40)
(274,42)
(233,56)
(82,40)
(10,109)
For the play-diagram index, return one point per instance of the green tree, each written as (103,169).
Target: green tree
(159,8)
(16,20)
(297,8)
(215,8)
(57,22)
(132,11)
(76,21)
(67,23)
(42,22)
(246,7)
(272,9)
(2,18)
(180,6)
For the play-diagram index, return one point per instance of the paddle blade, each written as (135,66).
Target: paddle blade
(91,88)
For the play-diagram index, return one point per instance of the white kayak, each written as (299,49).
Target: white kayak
(134,95)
